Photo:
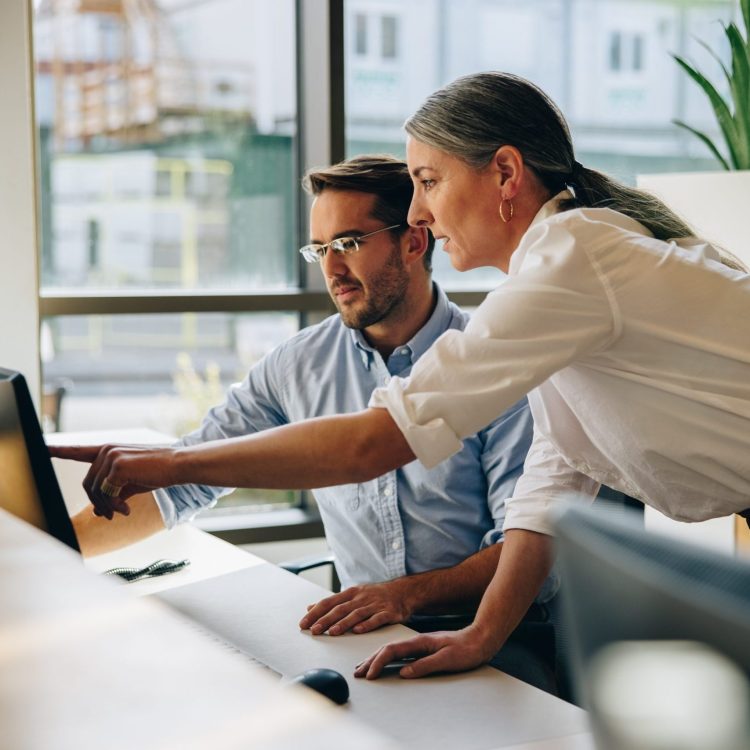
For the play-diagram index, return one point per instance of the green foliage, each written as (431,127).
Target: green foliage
(198,394)
(733,113)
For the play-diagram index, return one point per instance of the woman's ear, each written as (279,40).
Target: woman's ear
(509,167)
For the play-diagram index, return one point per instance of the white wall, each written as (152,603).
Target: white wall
(18,251)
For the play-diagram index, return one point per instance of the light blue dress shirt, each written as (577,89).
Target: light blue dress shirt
(406,521)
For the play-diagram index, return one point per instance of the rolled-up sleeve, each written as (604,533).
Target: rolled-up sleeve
(546,480)
(254,405)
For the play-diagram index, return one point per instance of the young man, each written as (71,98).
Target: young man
(412,541)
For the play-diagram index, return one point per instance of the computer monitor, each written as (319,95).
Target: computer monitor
(622,583)
(28,485)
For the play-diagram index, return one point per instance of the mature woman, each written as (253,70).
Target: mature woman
(634,349)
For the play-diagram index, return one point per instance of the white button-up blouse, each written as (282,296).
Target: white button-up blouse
(635,354)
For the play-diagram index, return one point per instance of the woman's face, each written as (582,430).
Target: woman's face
(460,205)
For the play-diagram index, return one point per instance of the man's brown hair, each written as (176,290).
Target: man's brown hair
(381,175)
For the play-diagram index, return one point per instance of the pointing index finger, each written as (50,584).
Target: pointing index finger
(86,453)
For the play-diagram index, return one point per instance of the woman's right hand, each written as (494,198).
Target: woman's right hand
(118,472)
(450,651)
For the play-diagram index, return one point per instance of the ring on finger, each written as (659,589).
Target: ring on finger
(109,489)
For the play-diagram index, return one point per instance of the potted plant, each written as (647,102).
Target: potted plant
(733,115)
(715,203)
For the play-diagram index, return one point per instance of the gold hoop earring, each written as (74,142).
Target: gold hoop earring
(510,210)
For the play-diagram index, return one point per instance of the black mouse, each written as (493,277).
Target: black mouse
(327,682)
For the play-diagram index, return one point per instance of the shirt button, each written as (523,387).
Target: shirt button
(396,544)
(386,380)
(387,492)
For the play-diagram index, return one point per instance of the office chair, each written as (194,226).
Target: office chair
(52,400)
(309,562)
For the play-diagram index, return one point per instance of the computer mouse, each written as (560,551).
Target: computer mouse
(327,682)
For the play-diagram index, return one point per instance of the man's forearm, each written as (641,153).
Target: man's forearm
(455,589)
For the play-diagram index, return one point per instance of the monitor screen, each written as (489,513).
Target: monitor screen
(28,485)
(622,583)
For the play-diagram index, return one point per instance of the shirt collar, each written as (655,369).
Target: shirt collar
(422,340)
(550,208)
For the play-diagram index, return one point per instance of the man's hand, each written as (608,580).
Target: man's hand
(360,609)
(118,472)
(453,651)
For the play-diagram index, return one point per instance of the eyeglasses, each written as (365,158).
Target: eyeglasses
(340,246)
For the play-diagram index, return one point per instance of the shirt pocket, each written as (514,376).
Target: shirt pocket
(345,496)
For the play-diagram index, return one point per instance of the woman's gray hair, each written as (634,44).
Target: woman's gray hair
(474,115)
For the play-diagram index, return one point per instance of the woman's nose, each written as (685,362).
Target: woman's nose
(418,215)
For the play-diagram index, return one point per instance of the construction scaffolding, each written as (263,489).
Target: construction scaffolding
(117,72)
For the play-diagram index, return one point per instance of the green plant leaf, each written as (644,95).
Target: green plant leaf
(745,6)
(740,86)
(721,108)
(719,61)
(706,140)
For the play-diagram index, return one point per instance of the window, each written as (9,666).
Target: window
(389,37)
(637,52)
(625,52)
(169,183)
(615,51)
(360,34)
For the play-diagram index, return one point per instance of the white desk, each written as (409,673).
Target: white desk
(478,710)
(481,709)
(208,557)
(83,665)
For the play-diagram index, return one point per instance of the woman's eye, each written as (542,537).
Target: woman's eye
(428,184)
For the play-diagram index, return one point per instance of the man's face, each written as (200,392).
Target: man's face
(369,286)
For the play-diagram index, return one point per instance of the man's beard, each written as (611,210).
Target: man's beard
(386,292)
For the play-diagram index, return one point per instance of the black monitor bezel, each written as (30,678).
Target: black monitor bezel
(56,516)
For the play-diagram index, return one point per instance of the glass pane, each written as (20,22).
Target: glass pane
(389,41)
(166,141)
(161,372)
(360,34)
(578,51)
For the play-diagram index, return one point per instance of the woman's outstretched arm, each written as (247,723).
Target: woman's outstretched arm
(313,453)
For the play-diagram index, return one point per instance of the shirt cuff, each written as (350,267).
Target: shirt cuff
(432,442)
(493,536)
(166,507)
(531,515)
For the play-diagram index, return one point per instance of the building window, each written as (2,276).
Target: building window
(626,52)
(389,37)
(638,52)
(360,34)
(615,51)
